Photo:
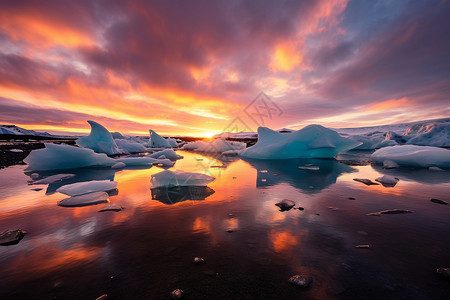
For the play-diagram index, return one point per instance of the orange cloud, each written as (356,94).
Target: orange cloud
(390,104)
(286,57)
(42,31)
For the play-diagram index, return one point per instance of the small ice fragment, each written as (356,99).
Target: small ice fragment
(198,260)
(387,180)
(119,165)
(16,150)
(176,294)
(263,171)
(365,181)
(87,187)
(102,297)
(312,168)
(34,175)
(391,212)
(111,207)
(54,178)
(300,281)
(436,169)
(11,237)
(178,178)
(163,163)
(389,164)
(363,246)
(285,204)
(85,200)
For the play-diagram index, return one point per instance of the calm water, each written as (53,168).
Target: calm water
(146,250)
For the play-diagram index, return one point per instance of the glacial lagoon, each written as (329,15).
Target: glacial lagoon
(250,248)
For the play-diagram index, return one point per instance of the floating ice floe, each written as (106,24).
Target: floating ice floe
(57,157)
(87,187)
(387,180)
(128,146)
(167,153)
(414,156)
(16,150)
(313,141)
(178,178)
(162,162)
(100,140)
(54,178)
(85,199)
(157,141)
(214,146)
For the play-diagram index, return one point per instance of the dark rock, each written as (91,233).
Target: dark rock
(365,181)
(351,198)
(391,212)
(438,201)
(11,237)
(285,204)
(300,281)
(300,208)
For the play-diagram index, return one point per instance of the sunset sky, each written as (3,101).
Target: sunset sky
(192,67)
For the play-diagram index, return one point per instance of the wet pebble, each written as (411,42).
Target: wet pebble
(176,294)
(362,246)
(300,208)
(229,230)
(351,198)
(300,281)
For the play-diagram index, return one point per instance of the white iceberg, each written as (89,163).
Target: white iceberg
(54,178)
(80,188)
(100,140)
(414,156)
(214,146)
(172,142)
(313,141)
(157,141)
(85,200)
(434,134)
(167,153)
(128,146)
(57,157)
(178,178)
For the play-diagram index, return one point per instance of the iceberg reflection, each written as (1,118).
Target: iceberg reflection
(180,193)
(308,175)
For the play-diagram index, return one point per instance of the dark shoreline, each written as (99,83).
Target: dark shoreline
(26,143)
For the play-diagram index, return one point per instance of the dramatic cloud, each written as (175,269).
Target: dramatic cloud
(191,67)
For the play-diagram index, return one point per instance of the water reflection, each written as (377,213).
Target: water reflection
(419,175)
(313,176)
(181,193)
